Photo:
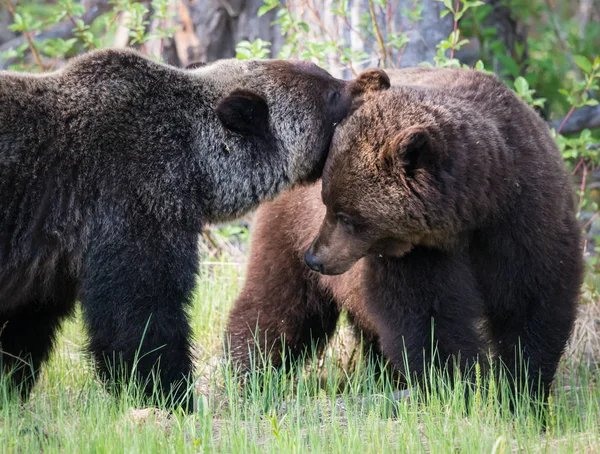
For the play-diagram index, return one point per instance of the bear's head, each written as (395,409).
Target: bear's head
(291,105)
(380,182)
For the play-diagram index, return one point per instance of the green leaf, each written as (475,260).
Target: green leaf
(521,85)
(78,10)
(583,63)
(265,9)
(591,102)
(509,64)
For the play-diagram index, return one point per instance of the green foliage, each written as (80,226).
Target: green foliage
(258,49)
(578,95)
(24,22)
(161,13)
(526,94)
(581,152)
(31,18)
(454,41)
(326,47)
(74,11)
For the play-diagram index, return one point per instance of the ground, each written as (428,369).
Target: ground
(337,406)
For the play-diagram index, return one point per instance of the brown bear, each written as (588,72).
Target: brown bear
(109,168)
(445,213)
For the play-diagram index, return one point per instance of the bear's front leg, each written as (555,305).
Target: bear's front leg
(427,309)
(282,305)
(137,284)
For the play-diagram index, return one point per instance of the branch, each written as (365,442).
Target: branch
(63,30)
(378,33)
(27,36)
(325,30)
(587,117)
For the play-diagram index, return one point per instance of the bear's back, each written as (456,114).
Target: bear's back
(483,96)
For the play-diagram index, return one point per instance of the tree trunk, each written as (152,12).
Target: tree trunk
(509,31)
(5,33)
(222,24)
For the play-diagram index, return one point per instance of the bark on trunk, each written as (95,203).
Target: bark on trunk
(221,24)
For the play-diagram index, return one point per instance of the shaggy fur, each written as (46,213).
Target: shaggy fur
(444,204)
(108,169)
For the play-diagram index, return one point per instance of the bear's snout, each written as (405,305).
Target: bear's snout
(313,262)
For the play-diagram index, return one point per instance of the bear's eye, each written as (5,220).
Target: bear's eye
(343,220)
(334,96)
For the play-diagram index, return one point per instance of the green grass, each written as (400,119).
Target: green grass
(322,408)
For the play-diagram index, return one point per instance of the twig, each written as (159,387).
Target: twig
(586,117)
(388,22)
(326,31)
(63,30)
(378,33)
(579,164)
(360,35)
(5,353)
(109,25)
(27,37)
(81,31)
(591,220)
(571,110)
(408,33)
(454,37)
(2,352)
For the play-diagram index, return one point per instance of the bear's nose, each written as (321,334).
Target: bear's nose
(313,262)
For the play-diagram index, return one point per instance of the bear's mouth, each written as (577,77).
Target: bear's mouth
(401,248)
(391,247)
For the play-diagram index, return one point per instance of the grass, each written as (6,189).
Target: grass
(335,405)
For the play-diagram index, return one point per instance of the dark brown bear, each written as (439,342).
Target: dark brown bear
(446,204)
(110,167)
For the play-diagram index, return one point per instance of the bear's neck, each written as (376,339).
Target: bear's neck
(238,176)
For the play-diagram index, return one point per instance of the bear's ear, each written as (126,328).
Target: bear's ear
(370,80)
(412,149)
(244,112)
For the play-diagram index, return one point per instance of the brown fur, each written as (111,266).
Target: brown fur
(446,202)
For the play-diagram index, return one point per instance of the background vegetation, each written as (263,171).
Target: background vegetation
(546,50)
